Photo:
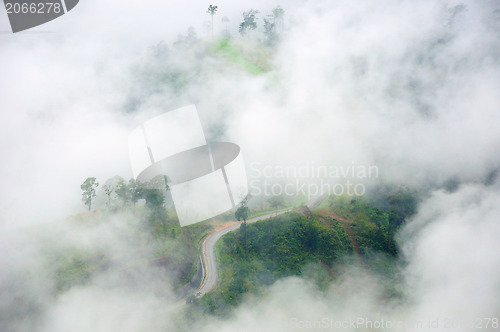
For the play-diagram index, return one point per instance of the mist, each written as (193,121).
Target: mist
(411,87)
(449,278)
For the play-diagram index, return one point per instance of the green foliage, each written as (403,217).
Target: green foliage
(154,204)
(249,22)
(153,192)
(277,248)
(154,197)
(278,13)
(269,30)
(122,191)
(402,204)
(212,10)
(235,56)
(135,191)
(374,227)
(174,246)
(71,269)
(273,25)
(108,190)
(89,191)
(242,213)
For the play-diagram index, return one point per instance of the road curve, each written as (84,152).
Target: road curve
(210,274)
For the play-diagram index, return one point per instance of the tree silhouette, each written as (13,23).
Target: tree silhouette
(122,191)
(275,202)
(242,214)
(108,190)
(89,187)
(212,10)
(248,23)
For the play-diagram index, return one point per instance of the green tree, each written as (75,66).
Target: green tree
(89,191)
(249,22)
(242,214)
(279,15)
(134,190)
(157,213)
(122,191)
(273,25)
(108,190)
(212,10)
(402,204)
(154,197)
(269,29)
(153,191)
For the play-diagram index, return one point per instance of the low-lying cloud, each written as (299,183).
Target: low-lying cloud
(410,87)
(449,279)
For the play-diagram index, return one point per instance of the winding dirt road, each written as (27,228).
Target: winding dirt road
(210,275)
(207,255)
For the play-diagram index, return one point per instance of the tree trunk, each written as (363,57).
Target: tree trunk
(389,237)
(245,237)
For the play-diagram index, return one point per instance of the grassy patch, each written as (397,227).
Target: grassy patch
(235,56)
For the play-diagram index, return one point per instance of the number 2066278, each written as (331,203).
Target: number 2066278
(33,8)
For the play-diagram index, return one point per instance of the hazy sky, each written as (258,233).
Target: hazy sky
(64,89)
(407,87)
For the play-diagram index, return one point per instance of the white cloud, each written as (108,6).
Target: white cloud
(403,85)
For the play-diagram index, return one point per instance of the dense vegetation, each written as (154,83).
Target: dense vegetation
(287,245)
(374,222)
(147,209)
(293,244)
